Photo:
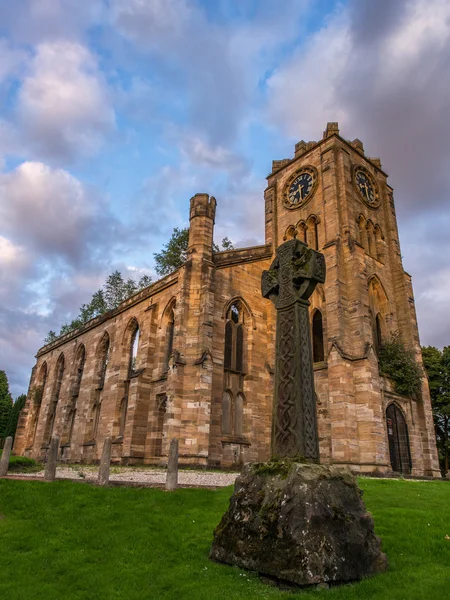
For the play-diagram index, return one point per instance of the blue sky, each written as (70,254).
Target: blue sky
(114,113)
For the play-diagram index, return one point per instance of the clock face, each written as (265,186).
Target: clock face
(366,188)
(300,188)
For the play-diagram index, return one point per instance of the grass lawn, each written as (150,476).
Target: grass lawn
(73,541)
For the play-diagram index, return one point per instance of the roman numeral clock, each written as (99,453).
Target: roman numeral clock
(300,188)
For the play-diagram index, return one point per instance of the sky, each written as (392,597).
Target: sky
(113,113)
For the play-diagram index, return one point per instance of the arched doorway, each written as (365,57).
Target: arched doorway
(398,440)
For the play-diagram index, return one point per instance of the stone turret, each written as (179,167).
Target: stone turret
(201,216)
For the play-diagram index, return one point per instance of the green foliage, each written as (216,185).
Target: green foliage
(59,543)
(14,416)
(399,364)
(437,366)
(5,404)
(22,464)
(174,253)
(114,291)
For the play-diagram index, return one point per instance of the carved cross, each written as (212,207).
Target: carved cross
(290,281)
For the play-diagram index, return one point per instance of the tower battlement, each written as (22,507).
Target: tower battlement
(203,205)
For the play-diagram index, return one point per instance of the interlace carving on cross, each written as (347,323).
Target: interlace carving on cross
(290,281)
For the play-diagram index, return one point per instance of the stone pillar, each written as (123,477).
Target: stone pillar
(172,467)
(103,471)
(289,283)
(50,467)
(4,462)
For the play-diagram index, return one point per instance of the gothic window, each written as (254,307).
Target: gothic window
(313,235)
(379,243)
(37,396)
(362,232)
(398,439)
(161,411)
(79,368)
(371,239)
(290,233)
(102,361)
(234,339)
(123,414)
(301,231)
(59,373)
(377,331)
(72,407)
(317,337)
(134,348)
(170,330)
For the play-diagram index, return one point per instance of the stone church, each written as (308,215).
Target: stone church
(192,355)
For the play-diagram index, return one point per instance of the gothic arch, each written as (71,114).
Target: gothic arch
(379,310)
(318,344)
(313,231)
(398,439)
(54,400)
(290,233)
(170,306)
(301,230)
(244,303)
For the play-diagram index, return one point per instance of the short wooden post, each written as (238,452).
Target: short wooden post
(4,462)
(103,471)
(172,466)
(50,467)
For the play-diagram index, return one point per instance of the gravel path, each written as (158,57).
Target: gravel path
(135,475)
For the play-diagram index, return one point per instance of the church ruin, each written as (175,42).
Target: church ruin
(192,355)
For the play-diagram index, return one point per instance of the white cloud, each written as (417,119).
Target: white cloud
(63,103)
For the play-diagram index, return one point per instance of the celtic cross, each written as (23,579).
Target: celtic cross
(290,281)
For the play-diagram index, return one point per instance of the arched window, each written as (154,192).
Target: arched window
(59,374)
(362,232)
(378,334)
(372,251)
(36,399)
(161,412)
(234,339)
(134,349)
(379,243)
(101,367)
(398,438)
(238,415)
(313,232)
(290,233)
(80,360)
(301,231)
(79,368)
(317,337)
(170,330)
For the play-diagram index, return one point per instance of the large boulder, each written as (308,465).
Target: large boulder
(305,524)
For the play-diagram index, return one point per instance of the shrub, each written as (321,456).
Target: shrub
(399,364)
(22,464)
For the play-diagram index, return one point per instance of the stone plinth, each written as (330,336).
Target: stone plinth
(305,524)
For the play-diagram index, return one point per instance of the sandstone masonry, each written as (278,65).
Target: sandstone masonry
(192,356)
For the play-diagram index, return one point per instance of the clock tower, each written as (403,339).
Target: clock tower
(337,200)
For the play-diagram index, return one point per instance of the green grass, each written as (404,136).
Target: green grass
(74,541)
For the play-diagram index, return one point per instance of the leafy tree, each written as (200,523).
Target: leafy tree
(114,291)
(14,415)
(5,405)
(399,364)
(437,366)
(174,253)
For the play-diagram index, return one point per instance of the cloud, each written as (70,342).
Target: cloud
(382,70)
(49,211)
(63,104)
(210,67)
(33,21)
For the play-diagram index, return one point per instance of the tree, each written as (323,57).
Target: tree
(437,366)
(399,364)
(5,405)
(114,291)
(14,415)
(174,253)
